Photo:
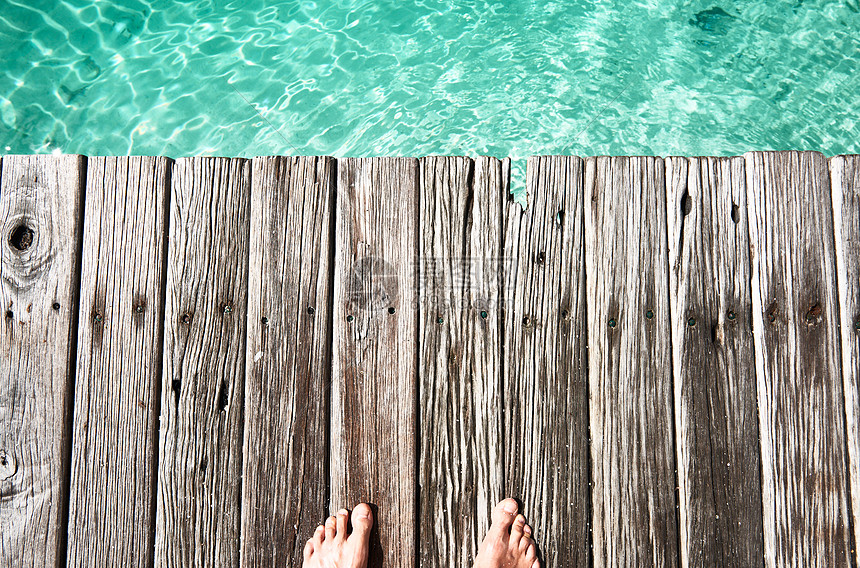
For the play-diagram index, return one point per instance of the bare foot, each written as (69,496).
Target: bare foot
(508,543)
(332,547)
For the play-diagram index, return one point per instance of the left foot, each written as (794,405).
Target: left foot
(332,547)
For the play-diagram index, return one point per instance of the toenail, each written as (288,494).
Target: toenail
(511,507)
(343,512)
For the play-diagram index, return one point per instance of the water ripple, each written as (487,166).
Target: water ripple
(365,77)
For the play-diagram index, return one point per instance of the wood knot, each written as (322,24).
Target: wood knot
(22,237)
(813,315)
(26,252)
(8,465)
(772,312)
(223,397)
(686,203)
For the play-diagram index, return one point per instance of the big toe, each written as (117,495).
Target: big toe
(362,520)
(505,513)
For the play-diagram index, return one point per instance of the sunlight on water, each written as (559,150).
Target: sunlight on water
(360,78)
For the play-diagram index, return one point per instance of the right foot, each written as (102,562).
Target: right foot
(508,543)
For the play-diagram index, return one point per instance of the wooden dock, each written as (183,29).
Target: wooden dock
(201,359)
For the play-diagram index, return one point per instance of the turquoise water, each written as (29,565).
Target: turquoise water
(357,78)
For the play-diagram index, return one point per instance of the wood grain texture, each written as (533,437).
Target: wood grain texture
(630,372)
(200,446)
(115,432)
(795,324)
(288,358)
(459,366)
(845,186)
(374,383)
(714,367)
(545,374)
(40,231)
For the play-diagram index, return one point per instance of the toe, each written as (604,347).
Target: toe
(517,530)
(359,540)
(531,553)
(527,538)
(319,536)
(309,549)
(362,521)
(503,514)
(524,543)
(330,524)
(342,518)
(536,564)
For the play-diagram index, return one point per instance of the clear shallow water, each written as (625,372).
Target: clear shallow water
(389,77)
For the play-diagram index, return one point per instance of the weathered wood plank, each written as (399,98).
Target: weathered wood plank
(545,377)
(115,432)
(714,368)
(459,365)
(288,358)
(200,446)
(374,383)
(630,374)
(845,186)
(40,216)
(801,412)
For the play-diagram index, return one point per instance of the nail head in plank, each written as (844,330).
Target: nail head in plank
(460,329)
(40,216)
(115,431)
(546,388)
(374,387)
(714,368)
(288,358)
(200,446)
(801,411)
(630,374)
